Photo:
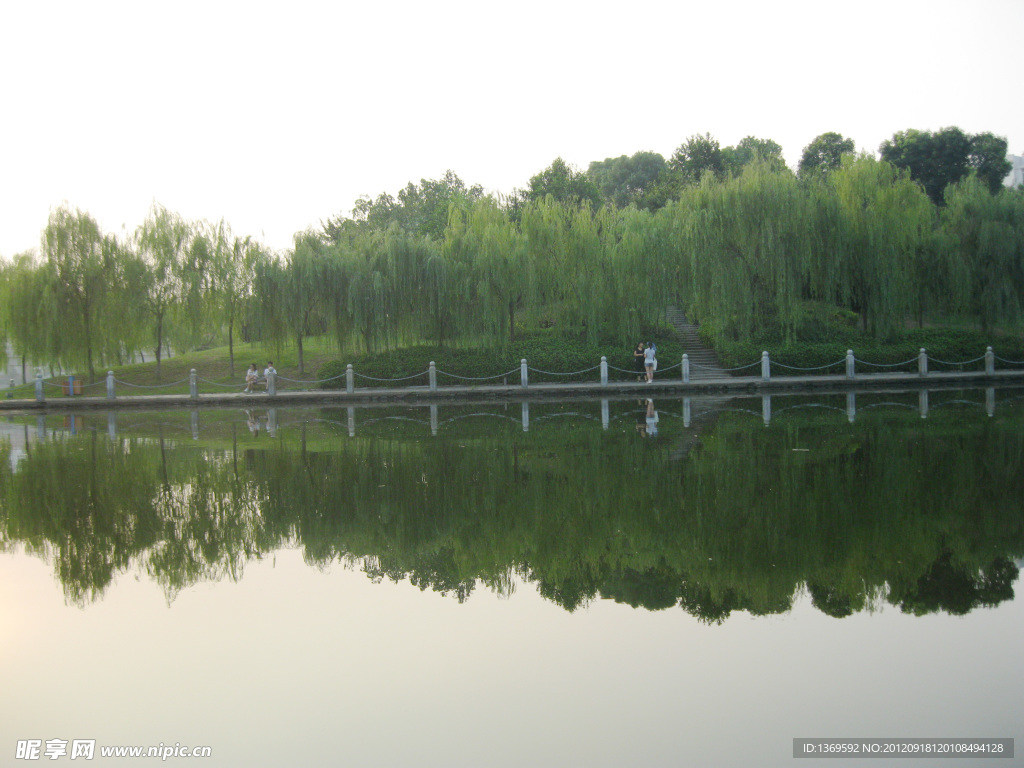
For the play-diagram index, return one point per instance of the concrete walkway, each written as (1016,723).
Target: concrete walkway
(721,385)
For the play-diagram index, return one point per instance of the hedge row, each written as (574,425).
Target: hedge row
(947,349)
(553,355)
(557,356)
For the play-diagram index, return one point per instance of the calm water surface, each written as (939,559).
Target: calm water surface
(682,582)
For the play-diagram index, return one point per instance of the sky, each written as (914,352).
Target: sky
(274,117)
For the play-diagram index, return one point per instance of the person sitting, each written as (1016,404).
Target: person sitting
(251,377)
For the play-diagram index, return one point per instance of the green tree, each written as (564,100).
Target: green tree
(163,242)
(421,209)
(697,157)
(564,183)
(986,232)
(988,159)
(824,154)
(79,279)
(196,315)
(885,222)
(125,318)
(235,267)
(292,293)
(626,179)
(744,251)
(428,206)
(935,160)
(27,309)
(751,148)
(486,264)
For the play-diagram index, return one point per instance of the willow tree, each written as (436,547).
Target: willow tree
(502,273)
(886,220)
(78,272)
(196,312)
(27,310)
(583,272)
(368,290)
(745,251)
(336,276)
(125,316)
(301,295)
(403,259)
(644,276)
(986,232)
(545,228)
(163,241)
(5,320)
(235,275)
(449,284)
(269,289)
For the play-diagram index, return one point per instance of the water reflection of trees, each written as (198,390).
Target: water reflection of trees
(923,515)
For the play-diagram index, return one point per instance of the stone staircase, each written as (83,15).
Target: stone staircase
(703,361)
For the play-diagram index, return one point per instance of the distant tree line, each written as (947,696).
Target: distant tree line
(731,234)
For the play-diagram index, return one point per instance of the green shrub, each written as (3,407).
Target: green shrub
(551,358)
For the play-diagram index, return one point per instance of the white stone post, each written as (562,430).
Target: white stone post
(350,379)
(686,368)
(990,362)
(523,377)
(922,362)
(604,371)
(110,385)
(193,385)
(850,372)
(766,367)
(432,376)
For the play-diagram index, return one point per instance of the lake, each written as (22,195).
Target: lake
(691,581)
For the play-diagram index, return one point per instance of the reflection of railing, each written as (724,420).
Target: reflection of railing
(691,413)
(272,381)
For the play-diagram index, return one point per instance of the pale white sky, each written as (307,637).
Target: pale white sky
(275,116)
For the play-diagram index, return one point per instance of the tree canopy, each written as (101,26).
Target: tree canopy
(824,154)
(937,160)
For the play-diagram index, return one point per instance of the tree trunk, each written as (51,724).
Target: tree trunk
(231,347)
(159,343)
(88,346)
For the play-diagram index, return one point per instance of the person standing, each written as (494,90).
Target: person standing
(650,362)
(638,361)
